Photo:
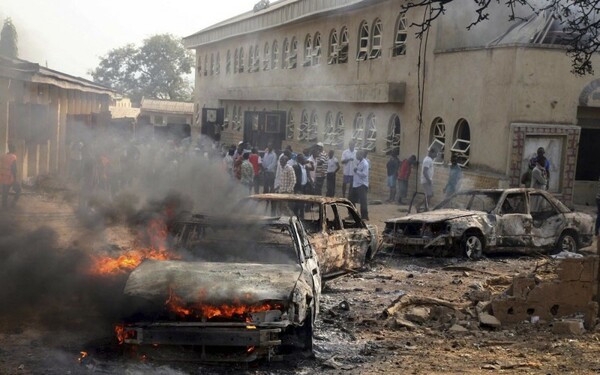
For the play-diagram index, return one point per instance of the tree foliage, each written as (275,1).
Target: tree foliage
(579,19)
(9,40)
(156,70)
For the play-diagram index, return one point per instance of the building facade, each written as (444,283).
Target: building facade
(304,71)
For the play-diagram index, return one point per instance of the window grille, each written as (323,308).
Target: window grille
(438,140)
(267,57)
(363,42)
(303,130)
(371,133)
(344,46)
(289,129)
(376,40)
(293,56)
(333,48)
(393,137)
(307,51)
(401,35)
(462,143)
(313,127)
(274,55)
(358,135)
(316,51)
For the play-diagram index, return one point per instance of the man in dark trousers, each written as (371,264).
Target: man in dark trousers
(392,170)
(8,176)
(360,184)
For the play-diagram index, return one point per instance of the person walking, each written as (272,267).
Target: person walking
(454,177)
(427,178)
(392,172)
(360,184)
(333,166)
(320,168)
(247,172)
(269,164)
(348,162)
(8,176)
(403,177)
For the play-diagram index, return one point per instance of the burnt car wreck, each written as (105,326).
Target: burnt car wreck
(476,222)
(250,291)
(343,241)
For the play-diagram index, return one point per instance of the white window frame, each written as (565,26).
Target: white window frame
(205,65)
(344,46)
(339,130)
(462,146)
(370,133)
(285,54)
(308,50)
(256,66)
(400,37)
(218,64)
(316,51)
(289,128)
(274,55)
(358,133)
(329,129)
(267,57)
(333,51)
(293,56)
(250,59)
(438,139)
(376,39)
(241,60)
(303,129)
(228,62)
(235,61)
(313,128)
(393,136)
(363,42)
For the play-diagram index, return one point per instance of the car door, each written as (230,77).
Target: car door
(547,220)
(310,259)
(514,221)
(357,234)
(334,243)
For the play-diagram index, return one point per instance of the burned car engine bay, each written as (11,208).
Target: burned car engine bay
(243,292)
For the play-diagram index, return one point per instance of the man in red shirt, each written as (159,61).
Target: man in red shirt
(8,176)
(256,162)
(403,176)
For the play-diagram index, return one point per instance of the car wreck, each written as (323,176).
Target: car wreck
(248,291)
(476,222)
(343,241)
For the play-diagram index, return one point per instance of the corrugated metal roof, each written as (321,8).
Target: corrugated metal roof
(155,105)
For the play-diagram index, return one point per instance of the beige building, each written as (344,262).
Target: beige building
(42,111)
(304,71)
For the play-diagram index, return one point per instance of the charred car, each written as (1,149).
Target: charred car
(477,222)
(343,241)
(249,290)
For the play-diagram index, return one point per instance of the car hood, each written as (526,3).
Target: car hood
(433,216)
(213,283)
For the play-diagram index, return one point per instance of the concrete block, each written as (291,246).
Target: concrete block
(487,320)
(522,285)
(570,269)
(568,327)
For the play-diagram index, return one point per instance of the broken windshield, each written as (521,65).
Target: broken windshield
(474,200)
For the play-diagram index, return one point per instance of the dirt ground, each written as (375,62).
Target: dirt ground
(353,335)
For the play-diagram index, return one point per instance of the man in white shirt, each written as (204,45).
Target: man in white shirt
(427,177)
(360,184)
(348,162)
(332,167)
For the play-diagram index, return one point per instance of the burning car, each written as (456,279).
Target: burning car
(477,222)
(342,239)
(250,290)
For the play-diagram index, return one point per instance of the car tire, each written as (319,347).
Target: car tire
(472,245)
(566,242)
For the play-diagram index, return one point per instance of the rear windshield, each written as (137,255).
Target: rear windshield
(308,212)
(474,200)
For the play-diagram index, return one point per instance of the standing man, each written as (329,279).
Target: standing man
(403,176)
(8,176)
(427,177)
(360,184)
(539,177)
(541,155)
(348,161)
(287,178)
(454,177)
(256,162)
(247,172)
(392,170)
(269,164)
(332,167)
(321,168)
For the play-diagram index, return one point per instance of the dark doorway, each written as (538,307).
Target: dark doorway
(587,158)
(264,128)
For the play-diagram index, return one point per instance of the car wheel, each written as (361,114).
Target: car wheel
(566,242)
(472,245)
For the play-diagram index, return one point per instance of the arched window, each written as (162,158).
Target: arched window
(274,55)
(266,57)
(339,130)
(256,66)
(289,129)
(462,142)
(400,37)
(206,65)
(334,48)
(437,139)
(363,41)
(316,52)
(344,46)
(218,64)
(212,64)
(307,50)
(370,133)
(199,65)
(376,33)
(393,137)
(329,131)
(241,61)
(235,61)
(313,127)
(293,56)
(285,54)
(358,134)
(251,59)
(228,62)
(303,130)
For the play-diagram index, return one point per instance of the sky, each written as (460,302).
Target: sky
(71,35)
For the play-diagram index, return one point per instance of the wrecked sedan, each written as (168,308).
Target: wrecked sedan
(250,291)
(476,222)
(343,241)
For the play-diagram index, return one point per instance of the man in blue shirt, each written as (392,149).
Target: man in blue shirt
(360,184)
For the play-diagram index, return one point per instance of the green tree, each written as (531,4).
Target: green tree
(9,39)
(156,70)
(579,21)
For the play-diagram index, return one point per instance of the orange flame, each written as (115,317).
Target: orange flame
(82,356)
(123,334)
(200,310)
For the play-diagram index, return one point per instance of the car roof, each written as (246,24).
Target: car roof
(298,198)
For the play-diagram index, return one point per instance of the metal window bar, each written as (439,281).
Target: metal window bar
(293,59)
(376,42)
(401,35)
(316,52)
(286,53)
(461,148)
(307,51)
(274,56)
(333,48)
(256,59)
(303,130)
(363,47)
(343,51)
(289,129)
(267,57)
